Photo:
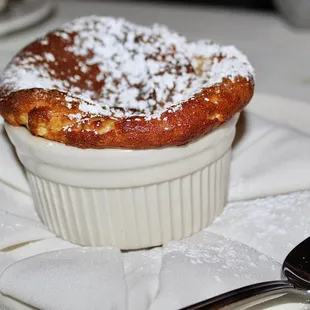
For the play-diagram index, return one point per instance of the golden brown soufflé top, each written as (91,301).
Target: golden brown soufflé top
(103,82)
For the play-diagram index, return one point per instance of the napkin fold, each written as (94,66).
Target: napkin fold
(268,159)
(69,279)
(142,270)
(197,268)
(16,230)
(246,244)
(272,225)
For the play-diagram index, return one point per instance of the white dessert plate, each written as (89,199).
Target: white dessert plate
(22,14)
(3,4)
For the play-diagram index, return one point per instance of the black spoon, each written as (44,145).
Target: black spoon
(296,274)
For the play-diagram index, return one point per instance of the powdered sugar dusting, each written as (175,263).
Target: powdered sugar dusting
(215,62)
(49,57)
(266,220)
(122,69)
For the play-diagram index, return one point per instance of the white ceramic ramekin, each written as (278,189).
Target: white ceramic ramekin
(127,198)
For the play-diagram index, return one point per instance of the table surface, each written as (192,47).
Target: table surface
(279,53)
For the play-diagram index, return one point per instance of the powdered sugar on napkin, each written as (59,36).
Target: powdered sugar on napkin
(266,220)
(206,259)
(142,270)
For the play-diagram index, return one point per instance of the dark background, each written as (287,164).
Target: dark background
(247,4)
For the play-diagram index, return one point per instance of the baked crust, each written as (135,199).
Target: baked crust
(52,114)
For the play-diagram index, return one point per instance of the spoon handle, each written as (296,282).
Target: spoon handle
(241,296)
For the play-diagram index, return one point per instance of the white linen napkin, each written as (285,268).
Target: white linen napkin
(197,268)
(10,173)
(268,160)
(70,279)
(246,244)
